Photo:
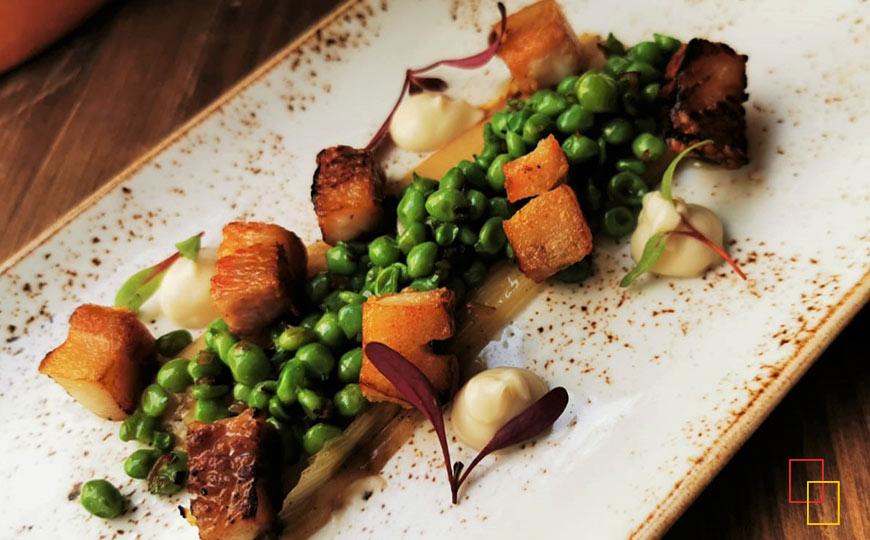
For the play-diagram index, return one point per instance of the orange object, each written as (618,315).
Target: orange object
(104,361)
(549,234)
(407,322)
(28,26)
(537,172)
(241,234)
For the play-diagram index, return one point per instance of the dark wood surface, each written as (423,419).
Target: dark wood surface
(78,113)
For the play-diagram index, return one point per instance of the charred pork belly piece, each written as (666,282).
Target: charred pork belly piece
(705,84)
(347,191)
(234,470)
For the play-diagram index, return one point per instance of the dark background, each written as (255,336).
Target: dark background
(75,115)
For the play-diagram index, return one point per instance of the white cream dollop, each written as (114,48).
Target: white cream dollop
(490,399)
(683,256)
(184,292)
(427,121)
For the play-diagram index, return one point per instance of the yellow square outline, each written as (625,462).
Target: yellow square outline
(838,500)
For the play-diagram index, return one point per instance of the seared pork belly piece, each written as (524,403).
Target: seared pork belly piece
(347,191)
(549,234)
(234,470)
(537,172)
(407,322)
(705,84)
(104,362)
(540,48)
(258,276)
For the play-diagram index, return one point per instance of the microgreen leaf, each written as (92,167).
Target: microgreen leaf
(528,424)
(668,176)
(653,249)
(698,235)
(189,248)
(414,84)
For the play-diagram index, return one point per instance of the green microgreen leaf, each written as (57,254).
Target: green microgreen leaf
(139,288)
(668,177)
(653,249)
(189,248)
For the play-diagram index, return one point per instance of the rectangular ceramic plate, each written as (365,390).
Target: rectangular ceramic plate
(667,378)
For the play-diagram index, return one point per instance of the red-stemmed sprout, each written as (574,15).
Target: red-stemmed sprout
(414,83)
(418,391)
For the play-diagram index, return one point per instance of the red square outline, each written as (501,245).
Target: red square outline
(789,482)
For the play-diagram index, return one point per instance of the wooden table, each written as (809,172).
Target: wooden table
(74,116)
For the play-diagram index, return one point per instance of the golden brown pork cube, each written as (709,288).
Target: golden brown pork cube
(241,234)
(105,360)
(537,172)
(347,192)
(549,234)
(234,466)
(407,322)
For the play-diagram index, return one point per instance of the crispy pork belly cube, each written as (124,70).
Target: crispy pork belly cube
(317,258)
(242,234)
(252,286)
(539,46)
(706,89)
(537,172)
(104,362)
(407,322)
(347,191)
(549,234)
(234,467)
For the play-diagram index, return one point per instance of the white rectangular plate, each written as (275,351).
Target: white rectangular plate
(667,379)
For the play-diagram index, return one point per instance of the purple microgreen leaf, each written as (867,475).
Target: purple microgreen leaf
(699,236)
(668,176)
(527,425)
(653,249)
(415,387)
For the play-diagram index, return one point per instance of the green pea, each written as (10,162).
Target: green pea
(276,409)
(349,365)
(575,273)
(340,260)
(474,174)
(317,436)
(467,236)
(477,204)
(249,363)
(648,147)
(445,234)
(317,288)
(454,178)
(126,431)
(261,393)
(291,380)
(551,104)
(388,280)
(592,196)
(650,93)
(350,297)
(154,400)
(619,221)
(102,499)
(209,391)
(350,320)
(426,284)
(294,337)
(615,66)
(575,119)
(219,324)
(328,330)
(170,474)
(495,174)
(645,71)
(349,401)
(310,320)
(205,364)
(668,44)
(172,343)
(509,252)
(313,404)
(618,131)
(241,392)
(317,360)
(139,463)
(499,123)
(412,207)
(568,85)
(421,259)
(627,188)
(491,149)
(631,101)
(632,165)
(612,46)
(517,119)
(602,150)
(414,234)
(332,303)
(210,410)
(162,440)
(424,185)
(173,375)
(289,444)
(223,342)
(491,239)
(447,204)
(516,147)
(645,124)
(384,251)
(597,92)
(475,274)
(536,127)
(499,207)
(647,51)
(579,148)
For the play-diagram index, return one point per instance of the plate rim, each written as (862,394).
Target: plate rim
(715,456)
